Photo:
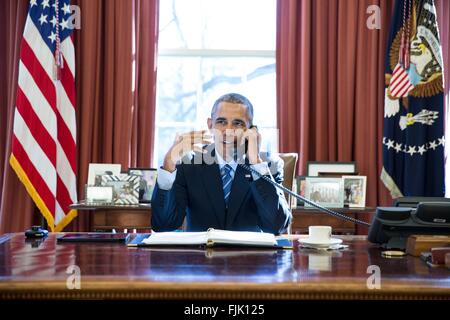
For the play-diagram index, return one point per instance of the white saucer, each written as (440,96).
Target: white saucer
(332,242)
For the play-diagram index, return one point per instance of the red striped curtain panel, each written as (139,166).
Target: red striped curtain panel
(44,141)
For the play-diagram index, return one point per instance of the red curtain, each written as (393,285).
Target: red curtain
(115,122)
(115,119)
(330,84)
(146,35)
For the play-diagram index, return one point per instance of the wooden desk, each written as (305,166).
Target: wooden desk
(138,217)
(113,271)
(305,217)
(117,217)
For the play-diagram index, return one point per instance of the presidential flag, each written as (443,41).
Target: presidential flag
(44,139)
(413,139)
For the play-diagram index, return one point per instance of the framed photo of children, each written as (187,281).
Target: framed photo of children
(355,191)
(328,192)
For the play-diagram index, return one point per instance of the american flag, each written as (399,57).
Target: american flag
(44,140)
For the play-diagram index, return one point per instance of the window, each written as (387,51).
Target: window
(208,48)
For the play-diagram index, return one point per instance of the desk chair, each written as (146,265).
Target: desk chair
(290,165)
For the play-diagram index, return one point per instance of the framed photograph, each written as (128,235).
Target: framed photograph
(125,188)
(315,168)
(99,195)
(355,191)
(97,170)
(328,192)
(300,182)
(147,183)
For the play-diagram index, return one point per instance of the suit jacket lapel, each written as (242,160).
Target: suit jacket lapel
(239,190)
(213,185)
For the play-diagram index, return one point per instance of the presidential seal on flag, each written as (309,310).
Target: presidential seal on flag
(413,140)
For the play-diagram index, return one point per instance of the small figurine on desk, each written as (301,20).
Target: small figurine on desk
(36,232)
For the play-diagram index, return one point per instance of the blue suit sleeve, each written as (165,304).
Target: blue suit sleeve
(273,209)
(169,206)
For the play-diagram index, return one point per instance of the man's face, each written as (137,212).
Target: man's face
(228,124)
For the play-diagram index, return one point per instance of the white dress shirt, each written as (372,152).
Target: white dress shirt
(166,179)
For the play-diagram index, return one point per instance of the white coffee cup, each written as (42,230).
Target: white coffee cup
(319,234)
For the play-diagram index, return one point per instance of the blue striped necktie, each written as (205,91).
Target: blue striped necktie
(226,181)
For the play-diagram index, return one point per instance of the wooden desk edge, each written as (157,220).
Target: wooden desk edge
(218,291)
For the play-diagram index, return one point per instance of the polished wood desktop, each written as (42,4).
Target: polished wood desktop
(38,270)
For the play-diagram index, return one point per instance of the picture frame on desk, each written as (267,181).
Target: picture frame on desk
(97,170)
(98,195)
(355,191)
(320,168)
(147,183)
(125,188)
(328,192)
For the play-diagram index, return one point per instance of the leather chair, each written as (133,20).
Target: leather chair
(290,165)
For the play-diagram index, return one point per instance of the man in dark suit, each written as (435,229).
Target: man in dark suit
(209,188)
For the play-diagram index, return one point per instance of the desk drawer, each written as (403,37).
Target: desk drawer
(303,219)
(118,219)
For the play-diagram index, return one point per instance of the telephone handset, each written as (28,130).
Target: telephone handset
(239,151)
(245,143)
(245,146)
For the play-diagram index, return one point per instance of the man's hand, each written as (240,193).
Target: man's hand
(183,144)
(254,142)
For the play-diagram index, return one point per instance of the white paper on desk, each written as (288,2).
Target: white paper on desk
(211,237)
(241,237)
(176,238)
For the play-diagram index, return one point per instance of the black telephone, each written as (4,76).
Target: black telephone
(392,226)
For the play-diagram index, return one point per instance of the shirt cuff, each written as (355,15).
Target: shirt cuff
(262,168)
(165,179)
